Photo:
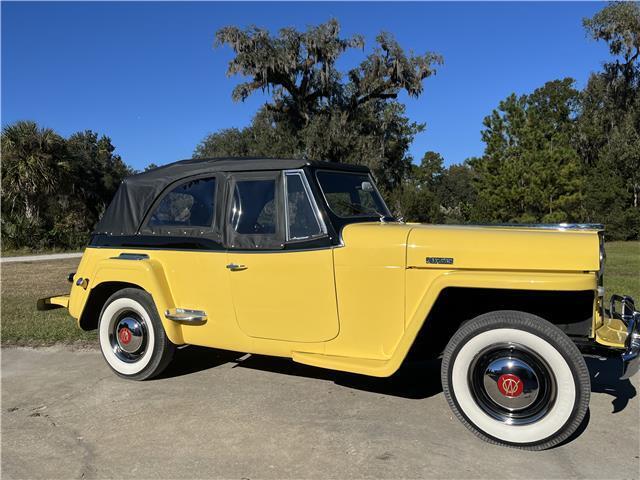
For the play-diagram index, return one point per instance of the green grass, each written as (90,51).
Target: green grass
(622,269)
(23,283)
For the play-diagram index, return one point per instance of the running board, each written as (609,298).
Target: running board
(365,366)
(185,315)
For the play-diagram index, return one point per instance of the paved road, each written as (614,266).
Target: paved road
(218,414)
(36,258)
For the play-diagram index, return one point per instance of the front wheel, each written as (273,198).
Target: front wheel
(515,379)
(132,338)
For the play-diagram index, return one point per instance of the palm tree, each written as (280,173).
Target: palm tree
(29,158)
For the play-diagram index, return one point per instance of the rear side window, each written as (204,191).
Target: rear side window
(191,204)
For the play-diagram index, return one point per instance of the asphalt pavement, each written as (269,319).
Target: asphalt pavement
(218,414)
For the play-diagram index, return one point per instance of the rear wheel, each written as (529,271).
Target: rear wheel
(515,379)
(132,338)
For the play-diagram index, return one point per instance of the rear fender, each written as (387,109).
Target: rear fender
(148,274)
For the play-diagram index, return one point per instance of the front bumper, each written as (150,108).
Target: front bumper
(631,318)
(620,334)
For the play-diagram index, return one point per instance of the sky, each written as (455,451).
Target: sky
(147,75)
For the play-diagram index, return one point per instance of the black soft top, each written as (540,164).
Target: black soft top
(137,193)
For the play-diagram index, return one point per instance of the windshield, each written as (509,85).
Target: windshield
(352,194)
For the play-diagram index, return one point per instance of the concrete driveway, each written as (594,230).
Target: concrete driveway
(219,414)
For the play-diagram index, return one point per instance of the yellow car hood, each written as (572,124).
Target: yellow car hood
(502,248)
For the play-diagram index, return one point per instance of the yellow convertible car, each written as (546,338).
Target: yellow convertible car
(303,259)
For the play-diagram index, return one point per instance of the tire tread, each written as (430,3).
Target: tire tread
(536,325)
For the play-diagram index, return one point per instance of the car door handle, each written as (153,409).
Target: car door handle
(234,267)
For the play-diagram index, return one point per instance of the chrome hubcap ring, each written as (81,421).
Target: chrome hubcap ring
(512,384)
(128,336)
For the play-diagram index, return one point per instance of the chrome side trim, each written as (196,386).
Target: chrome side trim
(185,315)
(543,226)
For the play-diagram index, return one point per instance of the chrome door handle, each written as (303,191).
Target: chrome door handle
(234,267)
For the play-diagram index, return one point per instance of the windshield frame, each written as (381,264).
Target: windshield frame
(383,216)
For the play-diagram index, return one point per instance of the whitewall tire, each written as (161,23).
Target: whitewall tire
(132,338)
(515,379)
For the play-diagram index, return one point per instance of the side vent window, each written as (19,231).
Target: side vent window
(302,220)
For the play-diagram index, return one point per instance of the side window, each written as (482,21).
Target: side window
(302,221)
(253,208)
(191,204)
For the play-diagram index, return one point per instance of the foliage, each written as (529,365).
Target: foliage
(609,127)
(317,111)
(54,190)
(555,154)
(531,171)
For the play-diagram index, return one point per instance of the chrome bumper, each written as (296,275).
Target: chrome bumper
(631,318)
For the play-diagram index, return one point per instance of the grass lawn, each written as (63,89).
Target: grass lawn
(28,251)
(24,283)
(622,269)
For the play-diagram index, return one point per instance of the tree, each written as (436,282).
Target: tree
(609,140)
(93,174)
(55,190)
(456,193)
(31,157)
(315,110)
(418,198)
(530,170)
(263,137)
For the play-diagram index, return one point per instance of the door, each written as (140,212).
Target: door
(281,289)
(184,223)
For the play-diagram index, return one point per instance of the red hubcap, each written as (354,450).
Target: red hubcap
(124,335)
(510,385)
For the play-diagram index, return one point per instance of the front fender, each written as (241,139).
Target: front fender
(418,309)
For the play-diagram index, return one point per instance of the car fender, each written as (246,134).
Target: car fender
(145,273)
(543,281)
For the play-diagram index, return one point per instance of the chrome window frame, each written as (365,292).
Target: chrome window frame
(312,202)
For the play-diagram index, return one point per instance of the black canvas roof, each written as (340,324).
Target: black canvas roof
(137,192)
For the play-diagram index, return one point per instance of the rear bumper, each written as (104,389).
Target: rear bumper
(621,333)
(50,303)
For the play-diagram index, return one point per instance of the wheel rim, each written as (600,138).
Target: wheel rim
(512,384)
(128,336)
